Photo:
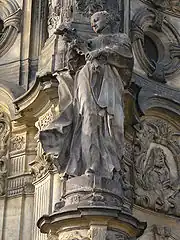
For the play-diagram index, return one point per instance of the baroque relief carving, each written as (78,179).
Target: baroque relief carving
(18,142)
(172,6)
(89,7)
(10,16)
(163,62)
(4,143)
(43,162)
(157,232)
(157,156)
(72,235)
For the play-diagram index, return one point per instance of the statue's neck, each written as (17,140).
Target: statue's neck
(106,30)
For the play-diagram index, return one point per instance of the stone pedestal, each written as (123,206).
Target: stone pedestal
(91,208)
(91,222)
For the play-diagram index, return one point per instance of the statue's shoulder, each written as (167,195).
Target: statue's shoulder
(122,38)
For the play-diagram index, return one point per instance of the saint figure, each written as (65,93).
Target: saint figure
(88,137)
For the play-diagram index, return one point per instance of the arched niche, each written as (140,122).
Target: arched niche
(10,16)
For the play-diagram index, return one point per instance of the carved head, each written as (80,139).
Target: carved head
(101,21)
(158,156)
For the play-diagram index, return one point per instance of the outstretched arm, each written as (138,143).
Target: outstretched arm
(70,35)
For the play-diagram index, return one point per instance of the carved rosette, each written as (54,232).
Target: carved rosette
(151,25)
(157,165)
(4,154)
(11,19)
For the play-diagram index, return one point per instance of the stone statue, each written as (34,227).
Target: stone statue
(88,137)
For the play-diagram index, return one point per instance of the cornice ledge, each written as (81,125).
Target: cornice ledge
(157,95)
(42,91)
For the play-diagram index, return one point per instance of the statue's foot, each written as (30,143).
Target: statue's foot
(89,171)
(68,176)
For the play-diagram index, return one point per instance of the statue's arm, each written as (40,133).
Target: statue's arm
(71,36)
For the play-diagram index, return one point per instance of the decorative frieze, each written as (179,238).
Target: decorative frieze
(20,185)
(157,165)
(18,143)
(17,165)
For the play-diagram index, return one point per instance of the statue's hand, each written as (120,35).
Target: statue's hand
(66,30)
(96,54)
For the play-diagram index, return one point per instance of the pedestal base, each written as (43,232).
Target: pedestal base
(91,223)
(92,208)
(91,190)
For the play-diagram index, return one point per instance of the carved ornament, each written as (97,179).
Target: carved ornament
(4,143)
(72,235)
(89,7)
(151,24)
(171,7)
(18,143)
(157,232)
(42,162)
(157,155)
(10,20)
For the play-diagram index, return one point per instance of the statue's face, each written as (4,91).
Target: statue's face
(160,159)
(98,22)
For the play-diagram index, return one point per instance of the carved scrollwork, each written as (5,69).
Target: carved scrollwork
(74,235)
(163,62)
(4,143)
(171,7)
(42,162)
(10,24)
(157,166)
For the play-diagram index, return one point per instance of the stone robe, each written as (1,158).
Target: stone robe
(89,134)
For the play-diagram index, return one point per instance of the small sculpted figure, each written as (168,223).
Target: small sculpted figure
(88,137)
(157,173)
(157,177)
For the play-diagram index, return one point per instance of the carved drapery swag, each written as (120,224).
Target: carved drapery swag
(88,137)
